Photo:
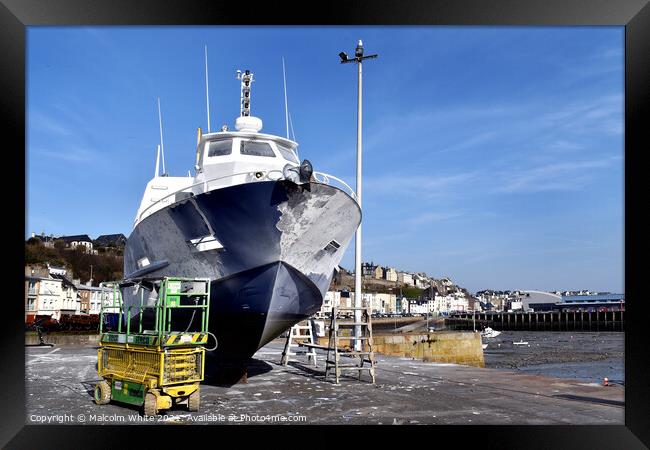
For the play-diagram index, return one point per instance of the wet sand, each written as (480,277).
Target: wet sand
(583,356)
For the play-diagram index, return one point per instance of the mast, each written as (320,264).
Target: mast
(155,175)
(246,81)
(207,93)
(286,107)
(162,145)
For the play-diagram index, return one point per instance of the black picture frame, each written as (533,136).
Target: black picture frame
(634,15)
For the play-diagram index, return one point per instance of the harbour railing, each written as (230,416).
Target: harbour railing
(260,175)
(540,320)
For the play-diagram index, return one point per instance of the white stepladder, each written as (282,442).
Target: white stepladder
(296,337)
(335,350)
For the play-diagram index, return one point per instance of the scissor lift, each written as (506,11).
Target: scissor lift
(158,367)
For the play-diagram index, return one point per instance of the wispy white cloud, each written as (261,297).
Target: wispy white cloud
(38,121)
(421,185)
(470,142)
(71,154)
(429,217)
(603,115)
(565,176)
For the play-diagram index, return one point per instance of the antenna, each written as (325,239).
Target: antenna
(157,163)
(246,81)
(294,134)
(207,93)
(162,145)
(286,107)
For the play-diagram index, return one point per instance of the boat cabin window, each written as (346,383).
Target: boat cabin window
(255,148)
(288,154)
(220,148)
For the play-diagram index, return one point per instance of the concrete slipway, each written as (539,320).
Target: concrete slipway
(59,384)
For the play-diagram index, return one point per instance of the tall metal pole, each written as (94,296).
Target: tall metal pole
(357,239)
(358,58)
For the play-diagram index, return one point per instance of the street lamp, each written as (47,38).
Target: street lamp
(358,59)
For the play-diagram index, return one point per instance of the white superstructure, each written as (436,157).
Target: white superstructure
(228,158)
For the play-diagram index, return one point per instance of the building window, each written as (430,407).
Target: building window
(31,303)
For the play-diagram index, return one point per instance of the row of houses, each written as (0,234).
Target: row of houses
(82,240)
(376,272)
(50,292)
(383,303)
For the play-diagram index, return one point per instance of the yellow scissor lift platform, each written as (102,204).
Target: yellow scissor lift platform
(155,368)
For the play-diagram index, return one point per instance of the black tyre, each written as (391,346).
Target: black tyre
(102,392)
(194,401)
(150,404)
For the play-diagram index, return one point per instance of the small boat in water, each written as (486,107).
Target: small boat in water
(489,333)
(521,342)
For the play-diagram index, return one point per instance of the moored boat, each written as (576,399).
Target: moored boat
(266,229)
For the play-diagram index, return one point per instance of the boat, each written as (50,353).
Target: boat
(489,333)
(484,346)
(267,229)
(521,342)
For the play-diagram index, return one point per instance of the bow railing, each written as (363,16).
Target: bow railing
(260,175)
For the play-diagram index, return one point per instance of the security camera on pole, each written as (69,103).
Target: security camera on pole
(358,58)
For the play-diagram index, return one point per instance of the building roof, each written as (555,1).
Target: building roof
(593,298)
(108,239)
(76,237)
(66,281)
(83,287)
(43,237)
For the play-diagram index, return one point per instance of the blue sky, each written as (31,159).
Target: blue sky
(492,155)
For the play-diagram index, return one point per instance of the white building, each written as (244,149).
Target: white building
(449,303)
(390,274)
(380,303)
(405,278)
(80,240)
(419,308)
(331,299)
(51,297)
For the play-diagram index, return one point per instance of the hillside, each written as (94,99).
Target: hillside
(106,266)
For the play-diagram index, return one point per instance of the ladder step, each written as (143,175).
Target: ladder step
(322,347)
(353,367)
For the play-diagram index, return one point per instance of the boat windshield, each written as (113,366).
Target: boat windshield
(255,148)
(220,148)
(288,154)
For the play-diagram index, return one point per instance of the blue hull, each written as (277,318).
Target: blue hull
(275,260)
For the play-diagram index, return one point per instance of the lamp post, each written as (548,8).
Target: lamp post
(358,59)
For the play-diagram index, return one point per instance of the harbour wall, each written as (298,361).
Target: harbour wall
(438,346)
(540,321)
(64,340)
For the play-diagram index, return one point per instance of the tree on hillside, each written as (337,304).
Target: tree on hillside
(106,267)
(37,253)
